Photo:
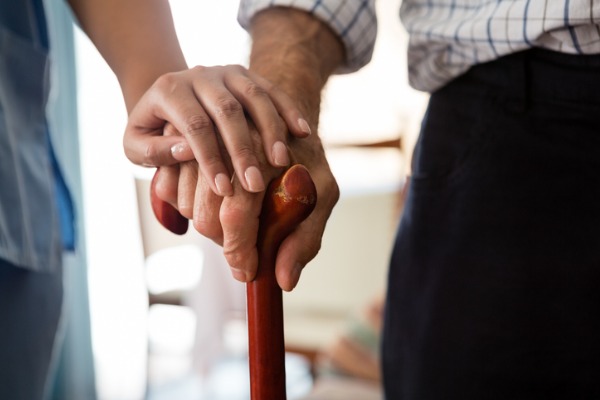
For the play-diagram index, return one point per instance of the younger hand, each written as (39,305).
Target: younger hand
(206,105)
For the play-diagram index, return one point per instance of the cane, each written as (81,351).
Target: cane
(288,201)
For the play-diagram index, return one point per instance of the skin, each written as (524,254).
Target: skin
(295,54)
(131,52)
(223,131)
(209,106)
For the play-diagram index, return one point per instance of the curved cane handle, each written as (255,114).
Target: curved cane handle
(166,214)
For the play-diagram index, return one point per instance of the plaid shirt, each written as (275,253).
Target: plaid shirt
(353,20)
(449,36)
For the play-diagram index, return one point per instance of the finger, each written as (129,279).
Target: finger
(166,184)
(286,107)
(186,188)
(207,206)
(167,179)
(147,147)
(182,150)
(228,115)
(265,117)
(239,217)
(174,100)
(303,244)
(146,140)
(300,247)
(206,212)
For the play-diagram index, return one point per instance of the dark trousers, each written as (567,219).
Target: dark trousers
(30,309)
(494,282)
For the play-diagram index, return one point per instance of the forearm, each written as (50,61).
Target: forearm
(136,38)
(296,52)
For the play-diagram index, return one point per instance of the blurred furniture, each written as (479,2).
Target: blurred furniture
(191,296)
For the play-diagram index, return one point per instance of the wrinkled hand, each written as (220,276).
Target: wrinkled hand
(233,221)
(207,106)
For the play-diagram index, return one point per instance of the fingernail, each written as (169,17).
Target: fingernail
(180,151)
(304,127)
(223,185)
(254,179)
(280,154)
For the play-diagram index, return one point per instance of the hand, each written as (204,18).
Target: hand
(207,105)
(232,221)
(297,52)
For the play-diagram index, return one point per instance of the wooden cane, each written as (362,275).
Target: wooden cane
(288,201)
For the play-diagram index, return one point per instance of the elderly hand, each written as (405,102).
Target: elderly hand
(232,221)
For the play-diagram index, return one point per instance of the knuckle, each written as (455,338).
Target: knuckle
(240,69)
(243,152)
(208,227)
(167,82)
(235,257)
(276,127)
(199,69)
(198,125)
(228,107)
(211,161)
(327,198)
(231,216)
(234,70)
(253,90)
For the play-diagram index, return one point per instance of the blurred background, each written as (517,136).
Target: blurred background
(167,318)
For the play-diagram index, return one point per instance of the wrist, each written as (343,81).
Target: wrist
(135,80)
(296,52)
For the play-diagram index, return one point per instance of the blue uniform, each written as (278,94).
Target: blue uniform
(36,210)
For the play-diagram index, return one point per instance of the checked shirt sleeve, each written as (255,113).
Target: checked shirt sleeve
(353,20)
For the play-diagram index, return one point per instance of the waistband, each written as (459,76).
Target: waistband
(537,75)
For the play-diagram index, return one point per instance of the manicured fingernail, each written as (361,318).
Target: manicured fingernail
(181,151)
(304,127)
(254,179)
(280,154)
(223,184)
